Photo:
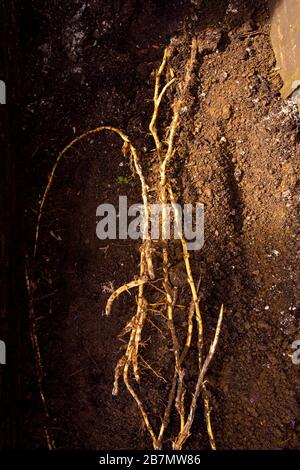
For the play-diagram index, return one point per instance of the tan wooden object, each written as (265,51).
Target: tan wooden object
(285,37)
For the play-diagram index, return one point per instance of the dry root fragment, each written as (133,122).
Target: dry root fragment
(207,411)
(118,372)
(137,340)
(120,290)
(179,403)
(185,433)
(191,282)
(38,359)
(157,374)
(128,148)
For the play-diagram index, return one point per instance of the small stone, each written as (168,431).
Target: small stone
(276,252)
(263,324)
(223,77)
(253,412)
(244,55)
(238,174)
(226,112)
(208,193)
(96,34)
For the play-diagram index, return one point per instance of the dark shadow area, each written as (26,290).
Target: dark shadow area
(13,323)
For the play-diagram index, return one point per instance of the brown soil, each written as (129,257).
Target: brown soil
(90,63)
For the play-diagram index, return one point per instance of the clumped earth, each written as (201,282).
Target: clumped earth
(86,64)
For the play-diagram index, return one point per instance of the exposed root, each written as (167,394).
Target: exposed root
(138,169)
(157,374)
(38,359)
(178,389)
(185,433)
(120,290)
(127,367)
(207,411)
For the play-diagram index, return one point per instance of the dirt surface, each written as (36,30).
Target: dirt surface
(237,151)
